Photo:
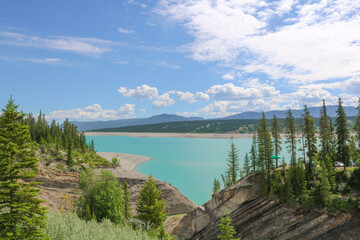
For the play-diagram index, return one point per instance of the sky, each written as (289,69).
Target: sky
(92,60)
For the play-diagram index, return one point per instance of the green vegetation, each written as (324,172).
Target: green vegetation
(70,226)
(102,197)
(21,215)
(231,175)
(216,186)
(207,126)
(313,178)
(149,207)
(227,231)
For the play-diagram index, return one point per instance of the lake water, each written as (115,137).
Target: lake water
(189,164)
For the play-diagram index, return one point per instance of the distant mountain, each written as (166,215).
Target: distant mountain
(314,111)
(162,118)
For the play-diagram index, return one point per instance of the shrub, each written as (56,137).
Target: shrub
(69,226)
(102,197)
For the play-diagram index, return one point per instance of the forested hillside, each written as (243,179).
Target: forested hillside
(206,126)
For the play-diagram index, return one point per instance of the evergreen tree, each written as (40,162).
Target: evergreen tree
(275,132)
(233,163)
(247,166)
(227,231)
(265,148)
(357,133)
(149,207)
(310,140)
(302,140)
(290,131)
(226,178)
(216,186)
(342,133)
(162,234)
(70,160)
(253,153)
(127,207)
(21,215)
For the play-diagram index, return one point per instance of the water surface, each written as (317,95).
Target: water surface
(189,164)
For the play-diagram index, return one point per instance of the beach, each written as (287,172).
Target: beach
(175,135)
(128,162)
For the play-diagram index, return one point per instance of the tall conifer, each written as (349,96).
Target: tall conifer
(21,215)
(310,140)
(291,131)
(343,134)
(275,132)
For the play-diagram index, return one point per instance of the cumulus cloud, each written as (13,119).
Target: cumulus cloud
(228,77)
(163,101)
(125,31)
(191,97)
(231,92)
(94,112)
(140,93)
(313,40)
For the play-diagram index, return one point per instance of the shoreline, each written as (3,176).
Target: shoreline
(174,135)
(128,162)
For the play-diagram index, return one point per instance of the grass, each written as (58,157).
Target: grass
(69,227)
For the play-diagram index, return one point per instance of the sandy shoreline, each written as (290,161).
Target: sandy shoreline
(175,135)
(128,162)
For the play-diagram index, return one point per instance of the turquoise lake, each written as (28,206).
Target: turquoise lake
(189,164)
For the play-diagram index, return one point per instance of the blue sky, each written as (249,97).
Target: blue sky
(102,60)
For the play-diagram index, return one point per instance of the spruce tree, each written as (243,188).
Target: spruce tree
(216,186)
(70,161)
(291,131)
(357,131)
(275,132)
(149,207)
(310,140)
(127,207)
(227,231)
(247,166)
(253,153)
(325,139)
(233,163)
(21,215)
(342,133)
(265,148)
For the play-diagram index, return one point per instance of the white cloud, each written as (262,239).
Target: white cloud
(125,31)
(231,92)
(191,97)
(140,93)
(166,65)
(188,114)
(87,46)
(163,101)
(228,77)
(94,112)
(318,40)
(42,60)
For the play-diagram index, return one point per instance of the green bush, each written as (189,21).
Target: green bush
(102,197)
(69,227)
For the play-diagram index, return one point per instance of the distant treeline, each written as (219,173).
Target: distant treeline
(61,136)
(208,126)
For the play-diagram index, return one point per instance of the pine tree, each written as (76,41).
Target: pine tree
(310,140)
(275,132)
(70,161)
(290,131)
(233,163)
(127,207)
(227,231)
(21,215)
(247,167)
(149,207)
(216,186)
(342,133)
(302,140)
(253,153)
(357,132)
(265,148)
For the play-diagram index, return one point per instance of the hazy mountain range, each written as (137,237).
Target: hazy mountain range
(163,118)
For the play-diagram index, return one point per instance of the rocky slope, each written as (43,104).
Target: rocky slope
(256,217)
(57,183)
